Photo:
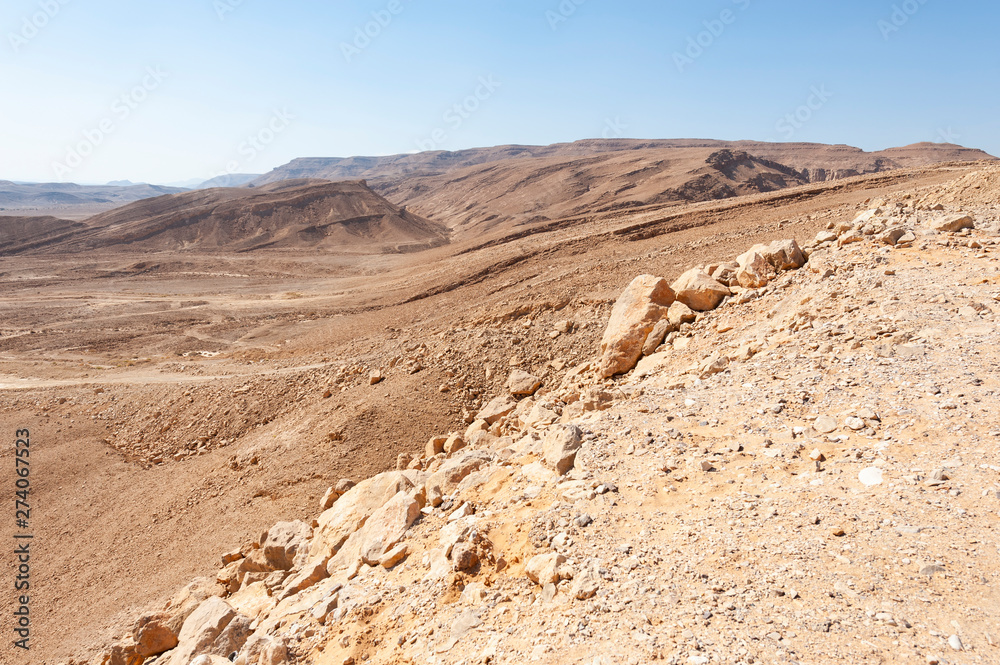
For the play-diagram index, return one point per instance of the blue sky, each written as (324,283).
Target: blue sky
(97,90)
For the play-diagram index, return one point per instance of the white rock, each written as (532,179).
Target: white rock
(871,476)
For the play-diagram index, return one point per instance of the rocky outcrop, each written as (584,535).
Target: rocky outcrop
(633,318)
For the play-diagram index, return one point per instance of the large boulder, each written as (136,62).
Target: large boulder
(548,568)
(496,409)
(754,271)
(353,509)
(784,255)
(283,542)
(154,634)
(952,223)
(636,312)
(214,629)
(522,384)
(560,447)
(452,473)
(699,291)
(761,263)
(380,533)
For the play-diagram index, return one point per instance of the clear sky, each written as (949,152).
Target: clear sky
(99,90)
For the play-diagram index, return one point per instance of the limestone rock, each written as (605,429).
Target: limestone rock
(451,473)
(435,446)
(825,425)
(587,582)
(754,271)
(726,274)
(307,577)
(545,569)
(464,556)
(335,492)
(522,384)
(952,223)
(635,314)
(283,541)
(214,629)
(263,649)
(210,660)
(560,447)
(699,291)
(354,508)
(783,255)
(380,533)
(866,217)
(679,314)
(892,236)
(394,556)
(540,413)
(655,337)
(153,635)
(496,409)
(453,444)
(120,654)
(850,237)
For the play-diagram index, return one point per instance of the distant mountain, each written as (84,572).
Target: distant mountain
(473,191)
(815,161)
(229,180)
(297,215)
(121,183)
(68,197)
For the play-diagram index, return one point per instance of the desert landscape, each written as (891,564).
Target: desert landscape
(602,402)
(499,333)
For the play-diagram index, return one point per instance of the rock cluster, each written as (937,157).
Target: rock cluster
(649,310)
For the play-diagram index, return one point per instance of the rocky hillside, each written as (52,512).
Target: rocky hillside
(485,189)
(290,215)
(22,233)
(509,194)
(821,161)
(788,457)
